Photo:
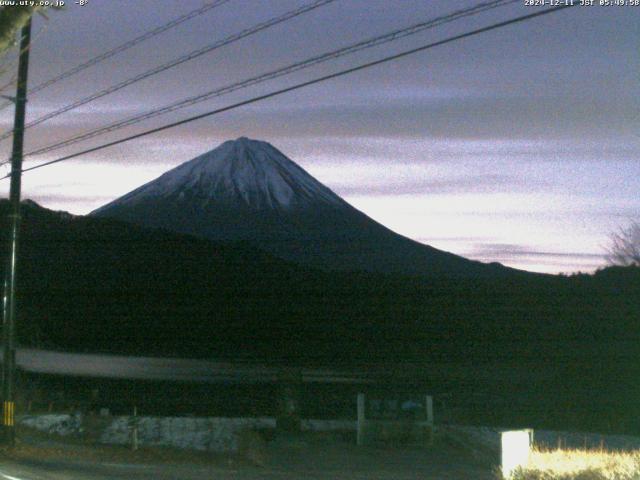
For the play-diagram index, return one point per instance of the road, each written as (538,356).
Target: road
(62,471)
(50,470)
(330,462)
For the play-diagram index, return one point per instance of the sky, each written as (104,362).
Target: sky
(520,145)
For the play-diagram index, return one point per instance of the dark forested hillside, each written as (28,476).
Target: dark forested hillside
(98,285)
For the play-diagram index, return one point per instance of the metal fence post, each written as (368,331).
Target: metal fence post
(134,430)
(361,419)
(430,423)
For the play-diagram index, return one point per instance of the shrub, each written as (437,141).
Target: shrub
(576,464)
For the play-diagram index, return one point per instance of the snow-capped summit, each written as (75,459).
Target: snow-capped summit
(242,170)
(247,190)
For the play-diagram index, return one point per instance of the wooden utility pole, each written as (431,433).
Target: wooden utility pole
(9,300)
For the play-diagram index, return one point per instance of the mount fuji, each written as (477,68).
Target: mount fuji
(248,191)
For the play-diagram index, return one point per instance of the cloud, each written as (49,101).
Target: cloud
(513,250)
(470,117)
(63,199)
(519,127)
(527,258)
(466,184)
(461,239)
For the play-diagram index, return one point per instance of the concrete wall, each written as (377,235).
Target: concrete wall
(211,434)
(204,433)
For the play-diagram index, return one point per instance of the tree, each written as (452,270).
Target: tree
(624,249)
(12,19)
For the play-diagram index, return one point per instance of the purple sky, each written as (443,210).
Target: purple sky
(519,146)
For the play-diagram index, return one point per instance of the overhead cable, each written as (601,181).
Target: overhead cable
(362,45)
(124,46)
(178,61)
(298,86)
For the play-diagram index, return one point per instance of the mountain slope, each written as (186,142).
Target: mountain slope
(101,285)
(247,190)
(88,284)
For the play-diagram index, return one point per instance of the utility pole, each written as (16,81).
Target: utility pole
(9,303)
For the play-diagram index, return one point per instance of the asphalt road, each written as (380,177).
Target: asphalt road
(330,464)
(49,470)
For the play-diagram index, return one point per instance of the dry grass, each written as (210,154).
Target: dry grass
(579,464)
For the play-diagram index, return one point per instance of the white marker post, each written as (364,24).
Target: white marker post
(516,450)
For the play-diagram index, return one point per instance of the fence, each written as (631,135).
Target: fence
(391,420)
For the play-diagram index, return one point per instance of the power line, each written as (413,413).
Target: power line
(182,59)
(12,82)
(298,86)
(362,45)
(125,46)
(10,63)
(14,78)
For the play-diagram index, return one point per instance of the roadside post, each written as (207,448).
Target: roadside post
(515,450)
(134,429)
(9,303)
(430,423)
(361,419)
